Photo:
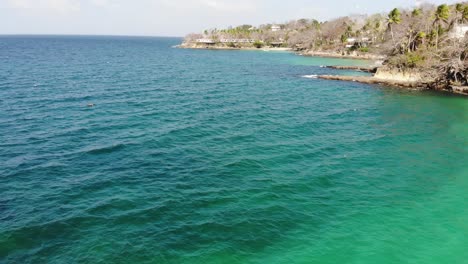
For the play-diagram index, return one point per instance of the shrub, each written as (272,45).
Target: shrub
(364,49)
(408,60)
(413,60)
(258,44)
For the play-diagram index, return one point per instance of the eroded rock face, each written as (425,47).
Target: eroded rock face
(399,75)
(373,80)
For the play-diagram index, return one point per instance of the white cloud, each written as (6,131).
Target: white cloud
(58,6)
(63,6)
(239,6)
(171,17)
(100,3)
(214,5)
(22,4)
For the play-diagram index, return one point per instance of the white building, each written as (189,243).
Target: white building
(237,41)
(275,28)
(459,31)
(206,41)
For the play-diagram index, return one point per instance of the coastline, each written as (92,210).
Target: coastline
(323,54)
(330,54)
(380,75)
(375,80)
(199,47)
(390,78)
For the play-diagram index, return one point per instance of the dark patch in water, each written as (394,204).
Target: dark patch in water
(106,150)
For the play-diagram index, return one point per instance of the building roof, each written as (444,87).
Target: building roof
(459,31)
(206,41)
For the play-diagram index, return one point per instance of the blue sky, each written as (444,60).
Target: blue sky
(170,17)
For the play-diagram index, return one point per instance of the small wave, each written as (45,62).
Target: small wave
(245,165)
(313,76)
(107,149)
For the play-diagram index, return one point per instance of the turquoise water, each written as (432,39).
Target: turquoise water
(196,156)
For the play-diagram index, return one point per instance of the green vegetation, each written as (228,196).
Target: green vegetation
(258,44)
(407,61)
(416,12)
(364,49)
(394,17)
(441,17)
(465,14)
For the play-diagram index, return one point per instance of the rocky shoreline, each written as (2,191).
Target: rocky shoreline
(374,80)
(215,47)
(380,75)
(355,68)
(342,55)
(324,54)
(394,78)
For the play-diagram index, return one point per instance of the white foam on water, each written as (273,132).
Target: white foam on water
(310,76)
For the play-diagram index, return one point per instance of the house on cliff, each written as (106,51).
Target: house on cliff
(275,28)
(206,41)
(459,31)
(358,42)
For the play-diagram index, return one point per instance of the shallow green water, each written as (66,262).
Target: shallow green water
(194,156)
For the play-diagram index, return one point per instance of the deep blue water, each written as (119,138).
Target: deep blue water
(198,156)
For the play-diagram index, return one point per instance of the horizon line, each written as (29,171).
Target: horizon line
(87,35)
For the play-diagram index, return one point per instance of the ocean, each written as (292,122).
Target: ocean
(126,150)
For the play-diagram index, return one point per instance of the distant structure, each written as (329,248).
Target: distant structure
(365,39)
(237,41)
(206,41)
(358,42)
(350,42)
(275,28)
(277,44)
(459,31)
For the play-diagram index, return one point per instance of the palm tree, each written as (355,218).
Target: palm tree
(376,30)
(349,31)
(416,12)
(315,24)
(458,18)
(465,14)
(442,15)
(459,12)
(421,37)
(394,17)
(411,32)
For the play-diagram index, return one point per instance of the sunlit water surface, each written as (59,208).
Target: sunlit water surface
(197,156)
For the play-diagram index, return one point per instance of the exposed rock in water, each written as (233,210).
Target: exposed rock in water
(397,75)
(374,80)
(393,77)
(355,68)
(460,89)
